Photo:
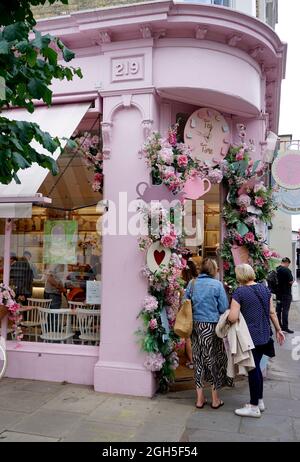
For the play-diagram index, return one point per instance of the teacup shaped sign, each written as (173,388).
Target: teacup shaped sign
(194,188)
(158,256)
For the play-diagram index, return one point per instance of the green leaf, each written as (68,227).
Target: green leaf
(39,90)
(16,178)
(51,55)
(4,47)
(31,57)
(71,144)
(68,54)
(242,229)
(38,41)
(16,31)
(20,160)
(255,165)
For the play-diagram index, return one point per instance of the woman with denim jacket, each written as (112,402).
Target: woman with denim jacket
(209,302)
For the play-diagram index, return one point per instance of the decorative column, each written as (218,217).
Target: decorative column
(120,369)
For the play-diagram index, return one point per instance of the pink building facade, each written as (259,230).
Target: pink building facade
(142,66)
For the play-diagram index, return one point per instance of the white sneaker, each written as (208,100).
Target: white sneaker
(261,405)
(248,411)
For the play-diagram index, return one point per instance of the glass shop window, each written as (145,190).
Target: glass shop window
(56,254)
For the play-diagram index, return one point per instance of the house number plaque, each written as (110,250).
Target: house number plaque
(129,68)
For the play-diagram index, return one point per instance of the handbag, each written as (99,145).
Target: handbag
(184,319)
(269,348)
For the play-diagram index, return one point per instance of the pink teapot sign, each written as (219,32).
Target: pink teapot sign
(196,187)
(286,170)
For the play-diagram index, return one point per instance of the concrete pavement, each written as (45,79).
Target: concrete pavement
(42,411)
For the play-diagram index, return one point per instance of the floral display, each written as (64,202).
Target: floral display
(7,300)
(248,210)
(159,308)
(172,164)
(246,213)
(89,146)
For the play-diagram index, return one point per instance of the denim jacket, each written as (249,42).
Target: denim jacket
(208,297)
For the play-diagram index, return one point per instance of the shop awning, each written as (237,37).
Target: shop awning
(60,121)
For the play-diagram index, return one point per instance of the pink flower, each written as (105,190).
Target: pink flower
(267,254)
(166,156)
(250,238)
(215,176)
(154,362)
(226,266)
(153,324)
(259,202)
(239,239)
(240,155)
(168,241)
(182,160)
(98,177)
(150,303)
(243,200)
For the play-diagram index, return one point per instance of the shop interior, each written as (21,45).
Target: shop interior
(62,239)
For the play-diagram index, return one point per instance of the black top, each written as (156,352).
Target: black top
(21,278)
(285,278)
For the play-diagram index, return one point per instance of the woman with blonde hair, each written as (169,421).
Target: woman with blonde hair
(255,303)
(209,301)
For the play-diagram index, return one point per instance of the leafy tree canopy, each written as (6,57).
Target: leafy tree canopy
(29,62)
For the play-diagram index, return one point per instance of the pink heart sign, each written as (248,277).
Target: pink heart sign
(159,256)
(194,188)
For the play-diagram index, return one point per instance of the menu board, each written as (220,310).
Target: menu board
(93,292)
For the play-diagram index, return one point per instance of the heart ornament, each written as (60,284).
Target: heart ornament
(158,256)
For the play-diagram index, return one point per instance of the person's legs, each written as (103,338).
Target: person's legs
(196,350)
(286,304)
(188,352)
(255,378)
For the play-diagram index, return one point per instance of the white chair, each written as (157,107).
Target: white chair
(32,316)
(89,325)
(56,325)
(74,306)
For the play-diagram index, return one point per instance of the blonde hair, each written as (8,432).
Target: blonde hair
(245,273)
(209,267)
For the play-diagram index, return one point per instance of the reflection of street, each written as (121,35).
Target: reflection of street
(3,359)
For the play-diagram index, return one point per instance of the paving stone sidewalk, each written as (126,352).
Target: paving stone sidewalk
(50,412)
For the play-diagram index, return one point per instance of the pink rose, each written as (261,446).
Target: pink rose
(182,160)
(259,202)
(168,241)
(153,324)
(267,254)
(249,237)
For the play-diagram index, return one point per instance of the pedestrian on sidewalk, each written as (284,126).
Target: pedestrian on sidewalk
(284,294)
(255,303)
(209,302)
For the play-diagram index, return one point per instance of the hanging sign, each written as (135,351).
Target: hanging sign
(288,201)
(60,241)
(240,254)
(93,292)
(286,170)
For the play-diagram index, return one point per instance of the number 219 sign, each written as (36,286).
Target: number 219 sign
(129,68)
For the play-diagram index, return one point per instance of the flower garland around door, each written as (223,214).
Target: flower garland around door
(247,212)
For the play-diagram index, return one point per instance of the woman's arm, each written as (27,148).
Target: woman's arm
(234,313)
(273,316)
